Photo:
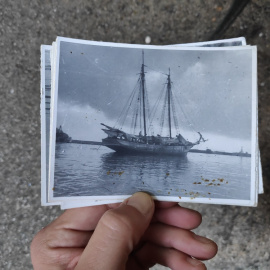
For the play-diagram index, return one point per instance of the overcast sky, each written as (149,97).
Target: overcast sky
(213,87)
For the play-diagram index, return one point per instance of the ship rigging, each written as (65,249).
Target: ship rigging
(141,138)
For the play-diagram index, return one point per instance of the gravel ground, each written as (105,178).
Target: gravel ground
(242,233)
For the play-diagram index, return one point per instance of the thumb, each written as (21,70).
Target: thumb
(117,233)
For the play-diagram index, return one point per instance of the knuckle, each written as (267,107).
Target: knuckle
(44,250)
(117,222)
(50,237)
(39,251)
(61,259)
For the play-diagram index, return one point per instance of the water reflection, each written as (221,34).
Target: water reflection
(83,170)
(151,161)
(150,173)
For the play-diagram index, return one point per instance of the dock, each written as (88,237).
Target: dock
(210,152)
(86,142)
(207,151)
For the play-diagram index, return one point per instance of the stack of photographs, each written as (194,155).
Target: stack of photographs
(178,122)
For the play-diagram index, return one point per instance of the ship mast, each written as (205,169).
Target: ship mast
(143,92)
(169,103)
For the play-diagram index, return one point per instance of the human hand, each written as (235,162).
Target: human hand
(134,235)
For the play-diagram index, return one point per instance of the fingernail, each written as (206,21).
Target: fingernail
(193,262)
(202,239)
(142,202)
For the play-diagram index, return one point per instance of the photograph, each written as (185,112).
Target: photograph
(240,41)
(45,104)
(173,122)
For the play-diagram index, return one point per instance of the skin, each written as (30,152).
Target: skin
(134,235)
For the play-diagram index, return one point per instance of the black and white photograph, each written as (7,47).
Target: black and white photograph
(178,123)
(45,121)
(45,102)
(240,41)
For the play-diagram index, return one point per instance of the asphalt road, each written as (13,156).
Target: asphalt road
(242,233)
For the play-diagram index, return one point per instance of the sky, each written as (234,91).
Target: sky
(212,87)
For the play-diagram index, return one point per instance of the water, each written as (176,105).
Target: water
(86,170)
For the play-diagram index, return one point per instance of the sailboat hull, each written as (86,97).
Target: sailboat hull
(124,146)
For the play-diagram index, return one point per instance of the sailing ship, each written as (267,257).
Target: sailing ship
(124,142)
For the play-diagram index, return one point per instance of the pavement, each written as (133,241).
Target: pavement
(242,233)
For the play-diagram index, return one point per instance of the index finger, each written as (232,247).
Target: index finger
(81,219)
(179,217)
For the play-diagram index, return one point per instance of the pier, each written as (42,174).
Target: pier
(207,151)
(86,142)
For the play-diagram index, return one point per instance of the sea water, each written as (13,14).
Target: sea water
(87,170)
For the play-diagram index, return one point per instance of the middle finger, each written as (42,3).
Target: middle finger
(182,240)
